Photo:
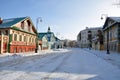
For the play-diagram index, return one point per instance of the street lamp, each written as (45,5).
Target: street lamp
(39,19)
(105,15)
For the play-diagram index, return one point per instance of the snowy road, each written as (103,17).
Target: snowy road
(71,64)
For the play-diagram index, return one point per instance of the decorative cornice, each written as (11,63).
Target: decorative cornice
(15,28)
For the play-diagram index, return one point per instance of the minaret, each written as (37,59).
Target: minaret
(49,29)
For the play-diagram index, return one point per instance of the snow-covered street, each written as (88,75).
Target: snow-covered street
(64,64)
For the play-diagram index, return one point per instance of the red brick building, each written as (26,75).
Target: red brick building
(17,35)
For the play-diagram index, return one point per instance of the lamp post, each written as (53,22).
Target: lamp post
(105,15)
(39,19)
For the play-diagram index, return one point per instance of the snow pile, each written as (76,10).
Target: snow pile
(9,57)
(113,57)
(13,56)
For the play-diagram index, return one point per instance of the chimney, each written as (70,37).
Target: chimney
(0,20)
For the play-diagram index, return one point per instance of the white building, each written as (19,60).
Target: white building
(84,38)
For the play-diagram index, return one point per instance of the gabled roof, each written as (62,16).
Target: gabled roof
(115,19)
(48,34)
(6,23)
(41,35)
(9,23)
(57,39)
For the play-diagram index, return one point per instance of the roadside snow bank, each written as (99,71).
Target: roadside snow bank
(12,56)
(113,57)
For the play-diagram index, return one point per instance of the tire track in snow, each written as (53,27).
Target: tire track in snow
(47,77)
(51,59)
(21,61)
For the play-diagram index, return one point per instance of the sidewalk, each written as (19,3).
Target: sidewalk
(113,57)
(14,56)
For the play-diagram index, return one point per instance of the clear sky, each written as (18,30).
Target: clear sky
(65,17)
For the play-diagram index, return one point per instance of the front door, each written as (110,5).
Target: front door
(4,47)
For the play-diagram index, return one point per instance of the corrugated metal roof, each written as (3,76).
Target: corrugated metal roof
(9,22)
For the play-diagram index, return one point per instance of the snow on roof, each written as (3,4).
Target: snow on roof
(115,18)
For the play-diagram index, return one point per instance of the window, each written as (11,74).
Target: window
(24,38)
(6,32)
(20,38)
(106,35)
(28,25)
(115,32)
(22,25)
(30,39)
(33,40)
(15,37)
(110,35)
(89,31)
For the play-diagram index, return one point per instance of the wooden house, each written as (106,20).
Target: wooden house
(17,35)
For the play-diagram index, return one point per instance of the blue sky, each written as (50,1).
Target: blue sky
(65,17)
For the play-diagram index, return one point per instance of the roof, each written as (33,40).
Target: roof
(48,34)
(115,19)
(93,28)
(41,35)
(57,39)
(90,29)
(9,22)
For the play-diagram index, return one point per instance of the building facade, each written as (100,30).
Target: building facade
(111,31)
(97,41)
(42,41)
(48,40)
(84,38)
(17,35)
(58,43)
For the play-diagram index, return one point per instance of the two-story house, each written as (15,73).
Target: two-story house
(42,41)
(49,39)
(84,38)
(111,31)
(17,35)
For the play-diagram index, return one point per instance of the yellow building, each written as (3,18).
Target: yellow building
(111,31)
